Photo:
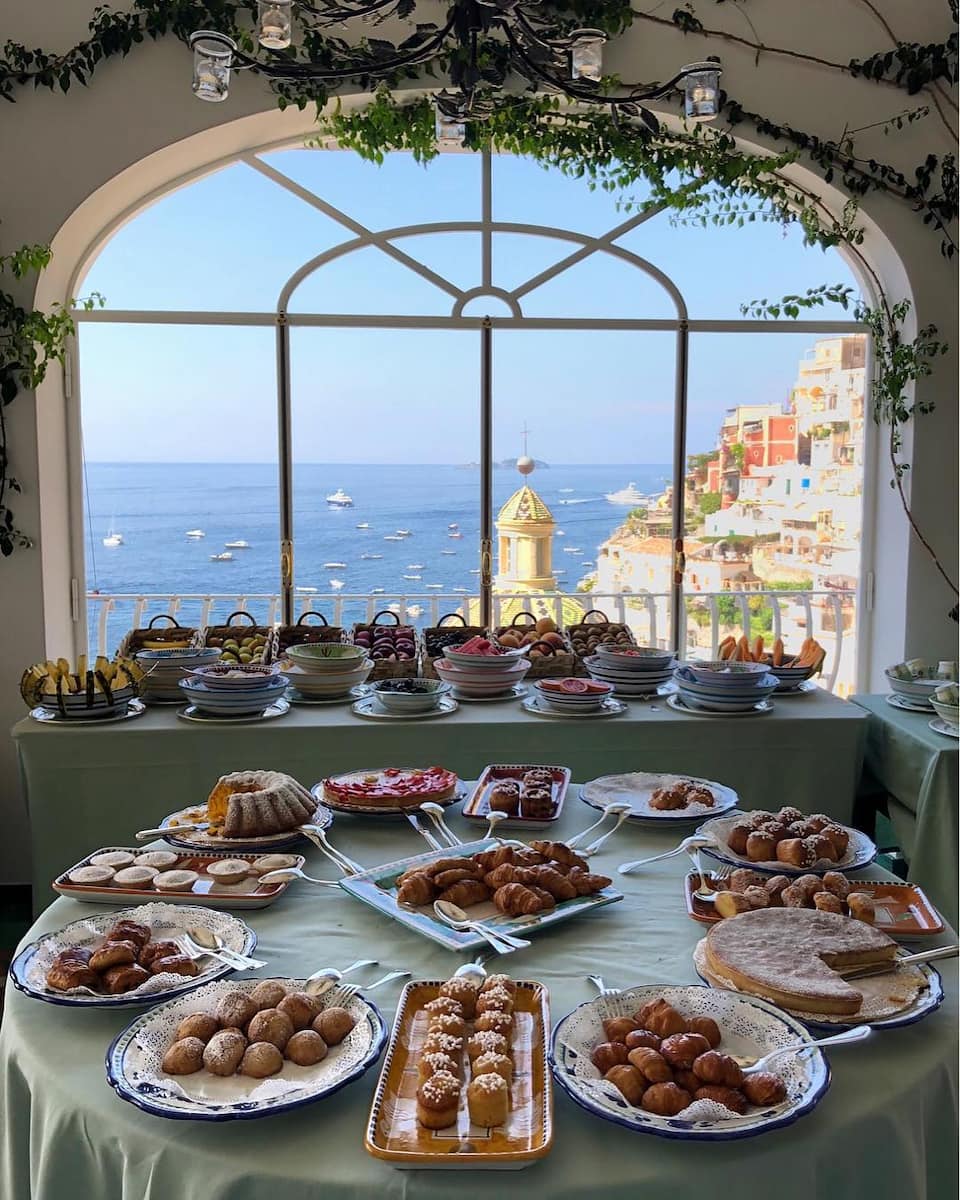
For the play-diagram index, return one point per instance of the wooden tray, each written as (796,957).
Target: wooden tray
(393,1133)
(478,806)
(903,910)
(249,893)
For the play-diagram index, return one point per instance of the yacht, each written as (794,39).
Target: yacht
(226,556)
(414,610)
(377,591)
(435,586)
(455,535)
(195,534)
(371,556)
(588,563)
(560,533)
(628,495)
(403,533)
(339,499)
(113,539)
(462,591)
(392,537)
(448,551)
(364,525)
(334,566)
(336,584)
(307,591)
(572,550)
(413,576)
(415,566)
(474,570)
(453,525)
(240,544)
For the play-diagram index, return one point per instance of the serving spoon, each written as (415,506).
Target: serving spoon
(494,817)
(473,970)
(616,806)
(454,916)
(593,848)
(856,1034)
(435,812)
(327,978)
(285,874)
(205,941)
(688,844)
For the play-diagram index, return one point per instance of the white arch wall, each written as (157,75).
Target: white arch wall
(76,163)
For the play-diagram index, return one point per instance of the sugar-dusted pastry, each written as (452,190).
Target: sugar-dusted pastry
(608,1054)
(821,847)
(229,870)
(838,884)
(743,877)
(793,897)
(198,1026)
(443,1043)
(92,876)
(260,1060)
(432,1064)
(112,954)
(862,907)
(175,881)
(737,837)
(651,1064)
(488,1099)
(762,847)
(438,1100)
(796,852)
(273,862)
(764,1088)
(641,1037)
(267,994)
(681,1049)
(495,1000)
(161,860)
(714,1067)
(487,1043)
(665,1099)
(306,1048)
(706,1027)
(827,902)
(628,1081)
(727,1096)
(499,980)
(757,897)
(498,1022)
(499,1064)
(333,1024)
(271,1025)
(818,822)
(775,885)
(235,1009)
(839,837)
(135,877)
(447,1023)
(112,858)
(71,968)
(224,1052)
(174,964)
(444,1004)
(300,1008)
(505,797)
(465,992)
(728,904)
(615,1029)
(183,1057)
(788,814)
(122,978)
(129,931)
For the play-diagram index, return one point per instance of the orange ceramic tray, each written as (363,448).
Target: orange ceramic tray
(393,1132)
(477,807)
(903,909)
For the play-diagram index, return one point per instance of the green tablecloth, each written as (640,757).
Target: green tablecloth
(886,1128)
(88,786)
(917,768)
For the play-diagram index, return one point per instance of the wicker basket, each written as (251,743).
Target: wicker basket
(385,668)
(578,633)
(216,635)
(301,633)
(169,637)
(427,644)
(552,662)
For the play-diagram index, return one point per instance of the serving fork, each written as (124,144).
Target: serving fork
(703,891)
(346,991)
(597,981)
(432,842)
(319,838)
(688,844)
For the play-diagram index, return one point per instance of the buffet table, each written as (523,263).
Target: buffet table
(887,1127)
(87,786)
(917,770)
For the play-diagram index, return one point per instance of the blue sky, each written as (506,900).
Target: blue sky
(231,240)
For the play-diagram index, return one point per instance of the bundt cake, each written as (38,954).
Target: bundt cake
(258,803)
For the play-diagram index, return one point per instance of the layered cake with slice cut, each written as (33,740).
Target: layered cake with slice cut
(257,804)
(792,956)
(391,787)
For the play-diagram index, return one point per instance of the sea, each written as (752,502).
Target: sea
(154,504)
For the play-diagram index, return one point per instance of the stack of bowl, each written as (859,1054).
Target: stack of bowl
(482,676)
(722,686)
(325,670)
(789,678)
(166,667)
(572,697)
(233,689)
(945,704)
(917,681)
(409,697)
(633,670)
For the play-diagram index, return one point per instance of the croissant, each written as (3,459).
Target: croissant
(451,864)
(129,931)
(466,892)
(416,889)
(508,873)
(586,883)
(559,852)
(123,978)
(489,860)
(517,900)
(547,901)
(548,878)
(528,858)
(447,879)
(71,969)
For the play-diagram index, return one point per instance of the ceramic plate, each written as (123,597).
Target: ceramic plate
(198,840)
(393,1132)
(355,693)
(477,807)
(276,709)
(608,708)
(908,703)
(28,970)
(806,688)
(134,1070)
(925,1002)
(377,887)
(370,708)
(761,708)
(637,787)
(860,850)
(249,893)
(135,708)
(514,693)
(939,725)
(751,1028)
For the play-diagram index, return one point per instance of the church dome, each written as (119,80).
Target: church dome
(525,506)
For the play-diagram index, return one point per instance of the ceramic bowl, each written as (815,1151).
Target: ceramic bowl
(75,705)
(947,712)
(417,696)
(229,703)
(922,682)
(485,662)
(335,657)
(236,677)
(509,674)
(724,673)
(635,658)
(790,678)
(327,686)
(749,687)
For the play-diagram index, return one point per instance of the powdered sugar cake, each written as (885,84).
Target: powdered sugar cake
(789,955)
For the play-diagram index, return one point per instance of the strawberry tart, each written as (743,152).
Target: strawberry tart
(390,787)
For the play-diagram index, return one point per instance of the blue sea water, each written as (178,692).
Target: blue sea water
(154,504)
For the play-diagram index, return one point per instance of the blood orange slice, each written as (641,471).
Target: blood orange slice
(574,685)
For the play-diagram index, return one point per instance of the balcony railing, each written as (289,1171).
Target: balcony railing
(827,615)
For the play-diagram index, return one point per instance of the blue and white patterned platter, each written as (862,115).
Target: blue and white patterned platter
(637,787)
(861,850)
(167,921)
(133,1064)
(750,1027)
(378,888)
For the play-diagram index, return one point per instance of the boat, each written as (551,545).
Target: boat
(112,540)
(414,610)
(453,525)
(572,550)
(339,499)
(240,544)
(462,591)
(448,551)
(415,566)
(377,591)
(306,590)
(628,495)
(334,566)
(455,535)
(364,525)
(437,586)
(413,576)
(371,556)
(392,537)
(588,563)
(336,584)
(195,534)
(403,533)
(226,556)
(560,533)
(474,570)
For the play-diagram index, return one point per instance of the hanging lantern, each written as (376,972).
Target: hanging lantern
(701,91)
(212,59)
(586,54)
(275,24)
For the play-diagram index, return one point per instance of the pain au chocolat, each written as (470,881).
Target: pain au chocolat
(791,956)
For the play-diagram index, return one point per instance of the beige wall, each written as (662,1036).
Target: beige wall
(137,126)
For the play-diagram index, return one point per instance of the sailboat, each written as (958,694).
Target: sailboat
(336,584)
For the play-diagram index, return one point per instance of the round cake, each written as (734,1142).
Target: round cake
(257,803)
(391,787)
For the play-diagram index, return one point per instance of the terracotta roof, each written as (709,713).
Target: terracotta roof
(525,505)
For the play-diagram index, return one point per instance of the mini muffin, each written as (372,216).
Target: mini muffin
(496,1022)
(496,1000)
(438,1100)
(444,1004)
(224,1052)
(184,1057)
(271,1025)
(333,1025)
(113,858)
(162,860)
(448,1023)
(443,1043)
(505,797)
(267,994)
(488,1099)
(300,1008)
(499,981)
(306,1048)
(199,1026)
(464,991)
(175,881)
(487,1043)
(497,1064)
(92,876)
(273,862)
(235,1010)
(261,1059)
(433,1064)
(229,870)
(135,877)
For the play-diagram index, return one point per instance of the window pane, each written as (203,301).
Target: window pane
(601,286)
(369,281)
(391,419)
(180,434)
(775,487)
